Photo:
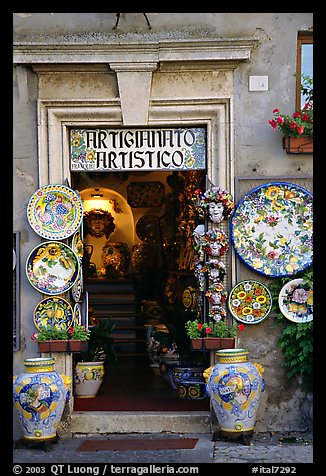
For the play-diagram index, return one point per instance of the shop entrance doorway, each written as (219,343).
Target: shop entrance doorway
(138,262)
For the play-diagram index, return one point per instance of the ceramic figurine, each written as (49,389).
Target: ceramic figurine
(215,204)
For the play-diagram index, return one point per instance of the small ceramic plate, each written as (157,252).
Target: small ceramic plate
(84,310)
(53,311)
(250,302)
(77,288)
(271,229)
(77,245)
(55,212)
(77,319)
(52,267)
(296,301)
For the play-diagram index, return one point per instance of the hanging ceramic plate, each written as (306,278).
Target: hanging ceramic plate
(55,212)
(250,302)
(77,288)
(53,311)
(84,311)
(77,320)
(296,301)
(52,267)
(147,228)
(272,227)
(77,245)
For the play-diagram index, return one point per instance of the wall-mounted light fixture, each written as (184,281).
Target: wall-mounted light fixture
(97,193)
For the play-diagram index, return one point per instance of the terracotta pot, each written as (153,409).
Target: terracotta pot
(78,345)
(298,145)
(227,343)
(211,343)
(197,344)
(54,346)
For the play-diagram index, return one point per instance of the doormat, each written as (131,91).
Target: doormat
(138,444)
(140,404)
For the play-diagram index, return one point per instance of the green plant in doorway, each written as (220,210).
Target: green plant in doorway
(296,340)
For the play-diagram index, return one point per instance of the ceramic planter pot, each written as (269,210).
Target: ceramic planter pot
(234,386)
(40,394)
(189,382)
(88,379)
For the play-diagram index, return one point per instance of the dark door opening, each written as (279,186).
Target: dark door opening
(137,264)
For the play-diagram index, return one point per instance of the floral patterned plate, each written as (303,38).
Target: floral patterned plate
(296,301)
(271,229)
(77,288)
(55,212)
(52,267)
(77,245)
(53,311)
(250,302)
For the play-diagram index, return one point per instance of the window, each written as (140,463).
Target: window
(304,63)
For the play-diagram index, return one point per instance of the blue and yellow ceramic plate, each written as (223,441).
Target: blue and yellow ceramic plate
(271,229)
(52,267)
(53,311)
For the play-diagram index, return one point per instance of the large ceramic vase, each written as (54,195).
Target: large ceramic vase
(88,379)
(234,386)
(40,394)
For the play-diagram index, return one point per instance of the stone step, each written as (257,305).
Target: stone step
(130,422)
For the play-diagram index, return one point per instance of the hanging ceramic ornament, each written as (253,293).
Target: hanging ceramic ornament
(216,294)
(216,243)
(215,204)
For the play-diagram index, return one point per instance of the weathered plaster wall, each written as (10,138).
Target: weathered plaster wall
(282,406)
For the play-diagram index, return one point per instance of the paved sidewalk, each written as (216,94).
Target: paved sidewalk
(263,448)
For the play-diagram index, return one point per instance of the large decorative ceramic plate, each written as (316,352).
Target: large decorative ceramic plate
(147,228)
(271,229)
(55,212)
(250,302)
(52,267)
(55,312)
(296,301)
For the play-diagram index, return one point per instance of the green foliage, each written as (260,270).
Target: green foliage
(51,333)
(100,343)
(222,329)
(195,329)
(79,332)
(296,340)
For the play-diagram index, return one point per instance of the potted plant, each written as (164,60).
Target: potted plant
(196,331)
(222,335)
(90,365)
(297,129)
(53,339)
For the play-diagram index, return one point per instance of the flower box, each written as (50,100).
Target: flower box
(215,343)
(197,344)
(212,343)
(78,345)
(53,346)
(298,145)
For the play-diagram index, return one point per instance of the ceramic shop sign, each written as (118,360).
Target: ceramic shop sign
(137,149)
(55,212)
(272,227)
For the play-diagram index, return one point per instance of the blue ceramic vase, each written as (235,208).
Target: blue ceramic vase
(40,394)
